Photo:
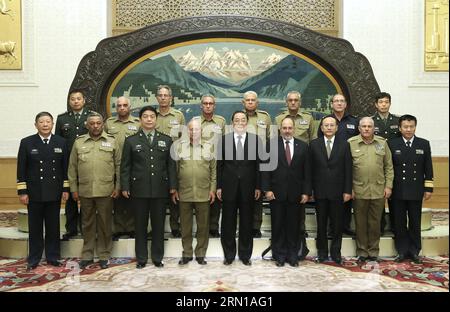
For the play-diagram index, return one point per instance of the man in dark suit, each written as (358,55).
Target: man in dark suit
(70,125)
(147,176)
(238,186)
(41,182)
(348,127)
(413,183)
(331,163)
(287,188)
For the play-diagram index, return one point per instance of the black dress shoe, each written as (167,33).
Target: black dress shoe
(400,258)
(247,262)
(131,234)
(68,236)
(103,264)
(338,260)
(32,266)
(374,258)
(293,263)
(54,263)
(85,263)
(279,263)
(201,260)
(185,260)
(214,234)
(362,259)
(303,254)
(227,262)
(176,233)
(141,265)
(158,264)
(416,259)
(256,234)
(116,237)
(321,259)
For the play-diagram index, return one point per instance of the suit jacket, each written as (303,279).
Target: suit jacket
(42,168)
(331,177)
(238,176)
(288,183)
(413,168)
(147,171)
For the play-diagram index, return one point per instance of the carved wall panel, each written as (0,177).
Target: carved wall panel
(436,35)
(319,15)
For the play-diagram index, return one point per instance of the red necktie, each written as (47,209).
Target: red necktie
(288,153)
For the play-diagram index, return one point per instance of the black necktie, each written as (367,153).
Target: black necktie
(150,138)
(408,143)
(77,117)
(45,141)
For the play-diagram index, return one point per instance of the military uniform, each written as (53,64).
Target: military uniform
(148,173)
(196,169)
(71,128)
(305,129)
(170,124)
(388,129)
(42,175)
(372,173)
(347,128)
(259,123)
(94,174)
(123,214)
(212,130)
(413,175)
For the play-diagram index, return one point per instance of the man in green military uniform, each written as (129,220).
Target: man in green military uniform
(196,168)
(304,122)
(259,123)
(70,125)
(94,180)
(122,126)
(386,126)
(169,122)
(213,127)
(373,176)
(148,175)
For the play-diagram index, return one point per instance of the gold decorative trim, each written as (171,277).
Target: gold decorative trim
(436,35)
(429,183)
(21,186)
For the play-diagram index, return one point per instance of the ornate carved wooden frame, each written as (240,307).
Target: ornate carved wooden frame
(351,69)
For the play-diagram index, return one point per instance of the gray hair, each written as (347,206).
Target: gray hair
(123,97)
(294,92)
(366,118)
(164,87)
(94,114)
(250,93)
(208,95)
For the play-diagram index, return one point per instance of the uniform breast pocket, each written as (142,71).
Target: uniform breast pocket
(302,129)
(106,149)
(84,154)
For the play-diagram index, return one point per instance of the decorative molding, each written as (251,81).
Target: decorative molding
(418,77)
(319,15)
(25,77)
(436,35)
(351,69)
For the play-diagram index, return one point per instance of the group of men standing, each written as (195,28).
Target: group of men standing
(138,167)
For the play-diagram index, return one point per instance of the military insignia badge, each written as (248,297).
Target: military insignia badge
(419,151)
(58,150)
(161,144)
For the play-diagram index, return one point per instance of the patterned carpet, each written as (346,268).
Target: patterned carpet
(262,276)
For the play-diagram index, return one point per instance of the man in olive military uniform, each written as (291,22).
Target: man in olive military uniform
(259,123)
(70,126)
(196,168)
(347,128)
(304,122)
(121,126)
(413,183)
(169,122)
(304,130)
(386,126)
(372,183)
(148,175)
(41,182)
(94,180)
(213,127)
